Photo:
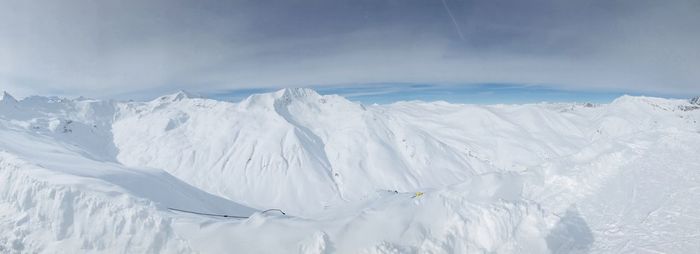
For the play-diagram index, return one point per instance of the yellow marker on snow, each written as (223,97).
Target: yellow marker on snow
(418,194)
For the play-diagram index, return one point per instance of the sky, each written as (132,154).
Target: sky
(144,48)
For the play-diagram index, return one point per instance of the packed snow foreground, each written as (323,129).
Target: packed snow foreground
(82,175)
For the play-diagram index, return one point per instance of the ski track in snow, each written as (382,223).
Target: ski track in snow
(99,176)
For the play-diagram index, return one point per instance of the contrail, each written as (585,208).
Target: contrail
(454,21)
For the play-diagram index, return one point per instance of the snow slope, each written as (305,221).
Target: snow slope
(332,150)
(56,198)
(538,178)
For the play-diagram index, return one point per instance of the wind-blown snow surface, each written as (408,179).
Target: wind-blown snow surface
(99,176)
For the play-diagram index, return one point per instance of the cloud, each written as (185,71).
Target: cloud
(111,48)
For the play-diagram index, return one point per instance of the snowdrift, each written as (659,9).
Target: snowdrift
(409,177)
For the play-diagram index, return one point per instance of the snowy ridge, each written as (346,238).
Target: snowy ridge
(58,192)
(463,218)
(7,98)
(321,144)
(38,215)
(496,179)
(695,100)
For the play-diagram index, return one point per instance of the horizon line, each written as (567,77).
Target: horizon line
(388,93)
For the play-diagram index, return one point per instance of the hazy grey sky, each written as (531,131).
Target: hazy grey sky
(108,48)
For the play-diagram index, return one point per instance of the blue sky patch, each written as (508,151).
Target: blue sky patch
(470,94)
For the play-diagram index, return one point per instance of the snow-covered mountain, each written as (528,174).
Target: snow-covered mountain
(99,176)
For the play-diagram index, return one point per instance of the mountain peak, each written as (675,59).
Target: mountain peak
(296,92)
(282,97)
(7,98)
(303,95)
(695,100)
(179,95)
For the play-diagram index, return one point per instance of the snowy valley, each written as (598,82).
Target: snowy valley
(409,177)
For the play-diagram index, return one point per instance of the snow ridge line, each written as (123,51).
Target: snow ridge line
(48,216)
